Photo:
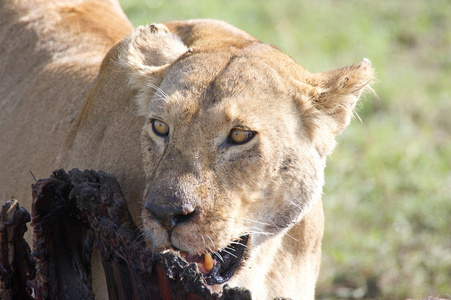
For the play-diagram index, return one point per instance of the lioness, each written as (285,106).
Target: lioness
(219,141)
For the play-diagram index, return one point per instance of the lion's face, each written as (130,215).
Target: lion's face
(226,156)
(233,146)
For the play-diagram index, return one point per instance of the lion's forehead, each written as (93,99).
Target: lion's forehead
(237,88)
(231,72)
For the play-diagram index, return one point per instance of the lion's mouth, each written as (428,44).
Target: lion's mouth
(218,267)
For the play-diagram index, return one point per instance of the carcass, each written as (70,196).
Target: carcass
(72,214)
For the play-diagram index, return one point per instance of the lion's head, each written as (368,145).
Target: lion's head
(235,141)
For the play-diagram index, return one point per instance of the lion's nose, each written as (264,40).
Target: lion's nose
(170,215)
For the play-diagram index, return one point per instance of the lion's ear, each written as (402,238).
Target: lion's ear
(332,98)
(145,55)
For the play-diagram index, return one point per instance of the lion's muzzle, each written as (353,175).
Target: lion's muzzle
(171,212)
(175,211)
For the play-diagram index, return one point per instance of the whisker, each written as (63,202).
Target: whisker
(274,224)
(210,250)
(230,248)
(358,117)
(229,253)
(206,245)
(297,206)
(158,90)
(212,243)
(292,237)
(260,232)
(253,221)
(238,243)
(257,228)
(139,234)
(286,233)
(203,239)
(220,257)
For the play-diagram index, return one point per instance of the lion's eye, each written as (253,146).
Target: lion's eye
(160,128)
(240,136)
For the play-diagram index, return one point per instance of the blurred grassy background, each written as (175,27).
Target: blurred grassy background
(387,197)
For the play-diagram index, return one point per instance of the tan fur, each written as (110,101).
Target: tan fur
(202,78)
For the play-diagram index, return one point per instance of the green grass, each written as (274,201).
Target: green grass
(387,197)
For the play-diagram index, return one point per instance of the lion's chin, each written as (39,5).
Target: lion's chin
(219,267)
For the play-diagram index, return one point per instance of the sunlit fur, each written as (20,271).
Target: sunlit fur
(79,88)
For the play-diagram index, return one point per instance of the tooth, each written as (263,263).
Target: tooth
(208,262)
